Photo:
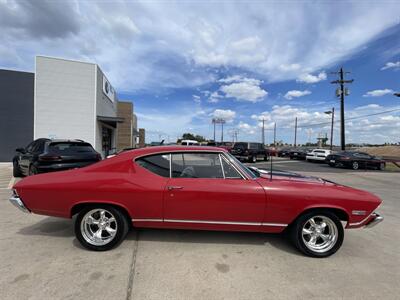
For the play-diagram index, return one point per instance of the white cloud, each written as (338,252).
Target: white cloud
(309,78)
(295,94)
(196,98)
(369,107)
(226,114)
(246,128)
(243,88)
(189,40)
(391,65)
(215,97)
(289,67)
(378,93)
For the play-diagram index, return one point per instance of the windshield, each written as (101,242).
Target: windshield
(248,171)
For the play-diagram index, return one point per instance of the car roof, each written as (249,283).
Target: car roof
(65,141)
(177,148)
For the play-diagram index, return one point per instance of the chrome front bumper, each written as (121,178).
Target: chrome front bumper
(17,202)
(374,221)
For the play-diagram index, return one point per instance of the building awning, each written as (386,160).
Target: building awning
(111,121)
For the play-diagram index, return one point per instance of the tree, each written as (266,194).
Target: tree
(191,136)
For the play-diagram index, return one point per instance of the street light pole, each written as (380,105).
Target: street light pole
(295,132)
(332,112)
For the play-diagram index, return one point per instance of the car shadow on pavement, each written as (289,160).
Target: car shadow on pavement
(50,227)
(63,228)
(279,241)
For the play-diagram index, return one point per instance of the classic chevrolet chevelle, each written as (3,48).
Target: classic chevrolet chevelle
(196,188)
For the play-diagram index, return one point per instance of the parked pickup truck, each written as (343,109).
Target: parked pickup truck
(250,152)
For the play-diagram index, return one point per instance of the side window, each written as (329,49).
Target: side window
(361,155)
(30,146)
(157,164)
(38,147)
(253,146)
(196,165)
(229,171)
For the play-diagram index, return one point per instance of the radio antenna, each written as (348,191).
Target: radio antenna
(270,171)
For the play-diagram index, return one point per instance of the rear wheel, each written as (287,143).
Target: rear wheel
(101,227)
(16,170)
(266,158)
(318,233)
(253,159)
(355,165)
(382,166)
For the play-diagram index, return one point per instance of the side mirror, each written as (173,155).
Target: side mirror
(21,150)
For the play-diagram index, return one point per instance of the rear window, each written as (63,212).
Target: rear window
(319,151)
(70,147)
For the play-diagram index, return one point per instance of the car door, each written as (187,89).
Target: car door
(362,159)
(201,191)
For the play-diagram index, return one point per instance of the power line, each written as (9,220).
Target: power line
(348,119)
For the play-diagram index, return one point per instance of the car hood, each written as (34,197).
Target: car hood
(284,175)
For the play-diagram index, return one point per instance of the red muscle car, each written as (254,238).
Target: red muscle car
(194,187)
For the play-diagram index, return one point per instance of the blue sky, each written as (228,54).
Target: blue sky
(183,63)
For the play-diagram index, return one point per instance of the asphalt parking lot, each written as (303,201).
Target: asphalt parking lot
(41,259)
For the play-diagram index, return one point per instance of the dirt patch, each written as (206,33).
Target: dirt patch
(389,151)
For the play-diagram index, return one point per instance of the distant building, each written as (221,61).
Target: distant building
(75,100)
(63,99)
(16,111)
(142,138)
(127,130)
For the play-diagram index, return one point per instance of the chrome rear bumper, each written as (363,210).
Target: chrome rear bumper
(17,202)
(374,221)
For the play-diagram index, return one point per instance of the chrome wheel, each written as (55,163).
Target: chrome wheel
(355,165)
(98,227)
(319,234)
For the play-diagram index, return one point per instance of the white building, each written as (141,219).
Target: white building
(74,100)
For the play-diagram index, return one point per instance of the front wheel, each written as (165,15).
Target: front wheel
(32,170)
(355,165)
(318,234)
(16,170)
(100,227)
(382,166)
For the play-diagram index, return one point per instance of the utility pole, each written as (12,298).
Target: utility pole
(331,112)
(342,92)
(222,130)
(263,132)
(275,134)
(213,121)
(295,132)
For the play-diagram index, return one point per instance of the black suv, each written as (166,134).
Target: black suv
(249,151)
(45,155)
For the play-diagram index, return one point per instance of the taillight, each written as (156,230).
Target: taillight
(49,157)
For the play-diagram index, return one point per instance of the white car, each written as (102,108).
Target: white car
(318,155)
(189,143)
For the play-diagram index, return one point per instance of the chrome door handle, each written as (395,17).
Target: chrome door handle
(170,188)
